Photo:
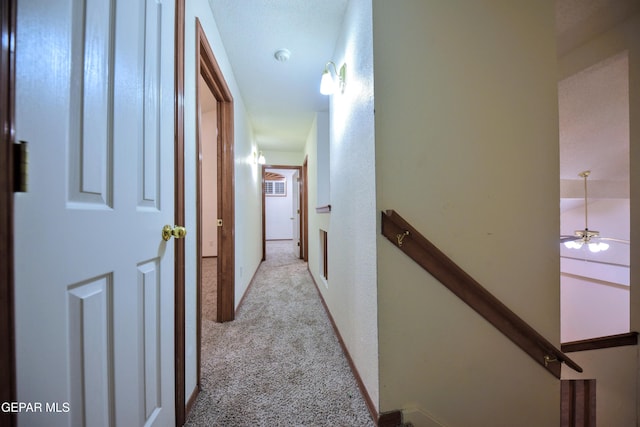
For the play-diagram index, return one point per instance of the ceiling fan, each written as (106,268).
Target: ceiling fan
(591,238)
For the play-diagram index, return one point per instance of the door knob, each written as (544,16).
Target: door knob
(177,232)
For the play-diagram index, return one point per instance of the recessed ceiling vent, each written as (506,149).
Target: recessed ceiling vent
(282,55)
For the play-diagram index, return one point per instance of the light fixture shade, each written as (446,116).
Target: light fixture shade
(598,247)
(572,244)
(261,159)
(593,246)
(327,85)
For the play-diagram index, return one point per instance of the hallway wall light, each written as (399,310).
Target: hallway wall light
(328,84)
(258,158)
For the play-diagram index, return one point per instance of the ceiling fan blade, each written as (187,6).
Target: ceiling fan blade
(613,239)
(569,238)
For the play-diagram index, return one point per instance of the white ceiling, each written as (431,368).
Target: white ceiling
(579,20)
(593,106)
(280,97)
(593,110)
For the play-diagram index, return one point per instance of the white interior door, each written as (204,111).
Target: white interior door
(94,303)
(295,214)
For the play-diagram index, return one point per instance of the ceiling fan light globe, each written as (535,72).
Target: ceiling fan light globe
(594,247)
(572,244)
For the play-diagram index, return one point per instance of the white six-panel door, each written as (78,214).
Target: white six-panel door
(93,277)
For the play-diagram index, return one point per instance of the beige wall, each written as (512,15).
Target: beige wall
(209,217)
(613,369)
(467,151)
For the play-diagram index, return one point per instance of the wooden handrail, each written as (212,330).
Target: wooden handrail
(619,340)
(440,266)
(323,209)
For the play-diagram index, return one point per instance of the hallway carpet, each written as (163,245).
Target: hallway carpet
(279,363)
(209,287)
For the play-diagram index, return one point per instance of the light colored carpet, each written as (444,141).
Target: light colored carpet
(279,363)
(209,288)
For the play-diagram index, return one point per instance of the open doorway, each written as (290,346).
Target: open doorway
(215,203)
(220,194)
(284,207)
(208,200)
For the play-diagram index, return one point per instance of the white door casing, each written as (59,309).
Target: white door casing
(94,302)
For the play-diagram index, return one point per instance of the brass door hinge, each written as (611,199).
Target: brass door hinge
(20,167)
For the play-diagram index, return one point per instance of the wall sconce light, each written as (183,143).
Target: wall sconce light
(258,158)
(328,85)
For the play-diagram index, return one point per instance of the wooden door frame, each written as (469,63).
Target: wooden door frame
(7,108)
(179,217)
(303,209)
(207,66)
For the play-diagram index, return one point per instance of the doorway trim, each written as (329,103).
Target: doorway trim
(179,217)
(7,103)
(303,209)
(208,68)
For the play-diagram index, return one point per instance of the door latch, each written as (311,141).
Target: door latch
(20,167)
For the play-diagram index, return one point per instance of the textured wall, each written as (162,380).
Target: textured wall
(352,292)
